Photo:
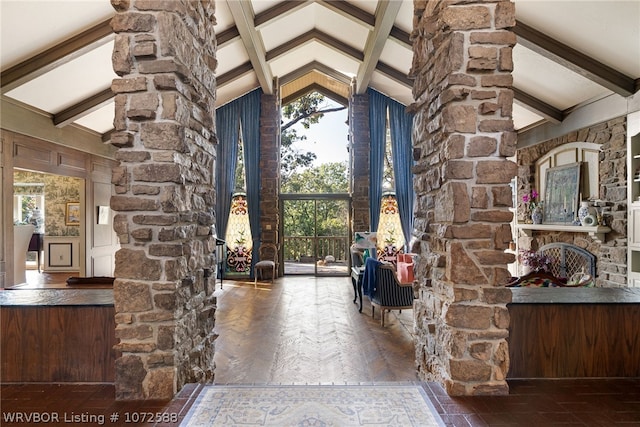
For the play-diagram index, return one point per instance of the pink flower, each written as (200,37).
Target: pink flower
(536,260)
(530,198)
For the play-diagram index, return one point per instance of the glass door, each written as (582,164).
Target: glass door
(299,252)
(316,235)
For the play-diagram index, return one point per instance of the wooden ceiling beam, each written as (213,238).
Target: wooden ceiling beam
(243,16)
(394,74)
(82,108)
(402,37)
(350,11)
(227,36)
(574,60)
(319,36)
(106,137)
(56,56)
(314,66)
(539,107)
(386,12)
(233,74)
(278,11)
(317,87)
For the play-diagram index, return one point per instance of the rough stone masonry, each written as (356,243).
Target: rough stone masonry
(165,195)
(463,134)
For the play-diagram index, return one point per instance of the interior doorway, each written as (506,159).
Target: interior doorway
(53,206)
(316,234)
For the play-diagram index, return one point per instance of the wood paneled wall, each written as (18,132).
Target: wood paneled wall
(574,340)
(57,343)
(98,242)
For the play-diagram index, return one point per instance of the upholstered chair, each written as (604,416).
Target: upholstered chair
(267,260)
(388,293)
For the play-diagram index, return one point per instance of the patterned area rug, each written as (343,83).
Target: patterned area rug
(320,405)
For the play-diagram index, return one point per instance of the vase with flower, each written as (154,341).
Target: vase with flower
(533,207)
(531,260)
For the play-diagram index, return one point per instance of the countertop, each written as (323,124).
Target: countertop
(575,295)
(56,297)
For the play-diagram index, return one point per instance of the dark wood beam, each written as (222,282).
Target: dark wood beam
(344,8)
(574,60)
(314,66)
(56,56)
(321,37)
(227,35)
(539,107)
(350,11)
(281,9)
(402,36)
(106,137)
(233,74)
(394,74)
(82,108)
(317,87)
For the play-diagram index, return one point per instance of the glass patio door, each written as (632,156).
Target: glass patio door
(316,234)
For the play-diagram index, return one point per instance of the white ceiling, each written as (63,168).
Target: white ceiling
(366,40)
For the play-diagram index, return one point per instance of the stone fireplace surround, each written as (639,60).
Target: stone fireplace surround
(611,254)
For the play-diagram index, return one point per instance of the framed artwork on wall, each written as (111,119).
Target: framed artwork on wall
(72,213)
(562,194)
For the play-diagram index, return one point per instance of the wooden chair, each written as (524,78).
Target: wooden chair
(268,258)
(357,256)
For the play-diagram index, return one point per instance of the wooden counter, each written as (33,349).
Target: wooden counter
(57,335)
(574,332)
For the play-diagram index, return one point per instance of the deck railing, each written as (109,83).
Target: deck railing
(301,248)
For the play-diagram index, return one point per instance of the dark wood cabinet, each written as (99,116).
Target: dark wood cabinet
(58,335)
(574,333)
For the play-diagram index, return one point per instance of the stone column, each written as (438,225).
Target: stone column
(164,195)
(360,151)
(462,135)
(270,167)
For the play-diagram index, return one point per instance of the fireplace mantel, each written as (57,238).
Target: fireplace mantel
(597,232)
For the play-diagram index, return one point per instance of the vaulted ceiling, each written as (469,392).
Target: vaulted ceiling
(56,54)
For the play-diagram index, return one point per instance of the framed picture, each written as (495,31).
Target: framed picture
(72,213)
(562,190)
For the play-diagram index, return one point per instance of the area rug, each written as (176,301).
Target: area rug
(400,405)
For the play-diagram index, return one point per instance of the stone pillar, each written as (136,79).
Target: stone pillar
(270,167)
(164,195)
(462,135)
(360,150)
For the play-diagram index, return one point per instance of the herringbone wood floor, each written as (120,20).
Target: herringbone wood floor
(305,330)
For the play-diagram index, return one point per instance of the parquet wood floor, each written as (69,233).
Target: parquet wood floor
(307,330)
